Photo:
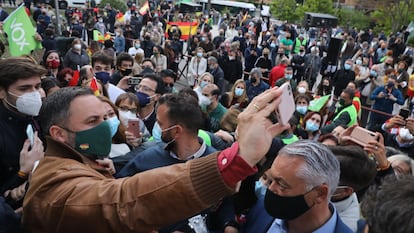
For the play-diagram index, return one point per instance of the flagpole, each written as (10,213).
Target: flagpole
(57,17)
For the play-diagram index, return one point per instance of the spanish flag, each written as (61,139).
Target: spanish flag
(97,35)
(120,17)
(75,79)
(144,9)
(94,87)
(187,28)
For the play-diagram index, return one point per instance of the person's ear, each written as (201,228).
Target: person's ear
(321,193)
(58,133)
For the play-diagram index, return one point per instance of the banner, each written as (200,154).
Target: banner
(97,35)
(187,29)
(144,9)
(20,33)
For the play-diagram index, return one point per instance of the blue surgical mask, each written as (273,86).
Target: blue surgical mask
(358,62)
(199,54)
(143,98)
(311,126)
(203,84)
(373,73)
(288,76)
(238,91)
(260,189)
(347,66)
(113,125)
(302,109)
(156,132)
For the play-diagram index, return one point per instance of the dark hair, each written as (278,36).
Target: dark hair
(302,96)
(349,92)
(152,62)
(55,108)
(168,73)
(102,57)
(48,83)
(15,68)
(183,109)
(47,54)
(328,136)
(160,84)
(123,57)
(108,44)
(357,169)
(389,208)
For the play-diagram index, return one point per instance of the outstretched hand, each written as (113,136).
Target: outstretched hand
(255,131)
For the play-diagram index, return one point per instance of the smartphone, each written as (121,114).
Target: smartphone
(134,80)
(404,112)
(362,136)
(30,134)
(133,127)
(286,107)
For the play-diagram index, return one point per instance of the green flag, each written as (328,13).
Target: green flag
(317,104)
(20,33)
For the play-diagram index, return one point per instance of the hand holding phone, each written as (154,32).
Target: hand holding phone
(30,134)
(133,127)
(404,112)
(286,108)
(362,136)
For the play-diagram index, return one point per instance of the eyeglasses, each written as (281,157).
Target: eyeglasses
(143,88)
(126,109)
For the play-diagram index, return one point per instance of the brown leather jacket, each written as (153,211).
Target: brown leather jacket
(70,193)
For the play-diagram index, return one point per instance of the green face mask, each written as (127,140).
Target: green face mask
(95,141)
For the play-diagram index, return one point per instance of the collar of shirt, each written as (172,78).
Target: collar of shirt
(196,155)
(280,226)
(148,116)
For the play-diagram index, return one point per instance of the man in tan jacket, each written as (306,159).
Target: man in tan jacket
(70,192)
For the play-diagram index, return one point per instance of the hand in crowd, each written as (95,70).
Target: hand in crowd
(381,95)
(391,97)
(107,164)
(29,157)
(224,135)
(123,83)
(17,193)
(377,148)
(132,140)
(410,125)
(255,131)
(396,121)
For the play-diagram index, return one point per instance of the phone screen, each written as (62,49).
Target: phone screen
(133,127)
(30,134)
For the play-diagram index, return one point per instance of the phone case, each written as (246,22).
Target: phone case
(286,107)
(362,136)
(133,127)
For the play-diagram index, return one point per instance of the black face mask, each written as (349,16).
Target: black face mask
(126,72)
(285,208)
(252,80)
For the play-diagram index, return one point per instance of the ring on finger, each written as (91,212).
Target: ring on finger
(257,107)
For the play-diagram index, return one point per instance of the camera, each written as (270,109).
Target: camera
(134,81)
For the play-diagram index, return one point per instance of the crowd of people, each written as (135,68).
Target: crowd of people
(97,136)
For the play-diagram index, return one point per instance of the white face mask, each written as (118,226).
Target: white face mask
(204,101)
(124,116)
(301,90)
(28,103)
(405,134)
(77,46)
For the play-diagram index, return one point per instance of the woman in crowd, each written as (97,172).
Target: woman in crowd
(237,97)
(197,66)
(76,57)
(51,62)
(159,59)
(309,128)
(64,76)
(324,87)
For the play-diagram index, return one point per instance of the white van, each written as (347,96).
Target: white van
(79,3)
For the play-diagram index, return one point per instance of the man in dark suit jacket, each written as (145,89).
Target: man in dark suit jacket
(301,181)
